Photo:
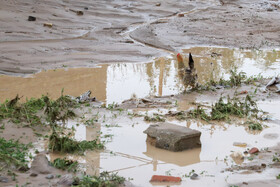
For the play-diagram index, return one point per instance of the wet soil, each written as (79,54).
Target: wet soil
(126,31)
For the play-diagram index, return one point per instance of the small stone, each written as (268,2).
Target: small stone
(181,15)
(245,152)
(49,176)
(263,165)
(244,91)
(254,150)
(194,176)
(31,18)
(48,25)
(158,4)
(80,13)
(4,179)
(66,180)
(86,8)
(162,178)
(246,183)
(33,175)
(269,9)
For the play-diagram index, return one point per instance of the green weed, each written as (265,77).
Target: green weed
(22,113)
(13,153)
(223,109)
(65,144)
(104,180)
(254,125)
(65,164)
(156,118)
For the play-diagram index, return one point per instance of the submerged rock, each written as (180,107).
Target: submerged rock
(194,176)
(31,18)
(173,137)
(40,165)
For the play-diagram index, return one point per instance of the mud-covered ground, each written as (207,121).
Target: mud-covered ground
(111,35)
(126,31)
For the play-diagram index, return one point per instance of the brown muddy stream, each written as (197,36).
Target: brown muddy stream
(117,82)
(126,149)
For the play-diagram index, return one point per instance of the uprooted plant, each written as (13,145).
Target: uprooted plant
(13,153)
(104,179)
(22,112)
(60,109)
(62,143)
(65,164)
(235,79)
(222,110)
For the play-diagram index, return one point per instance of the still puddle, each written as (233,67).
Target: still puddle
(126,149)
(117,82)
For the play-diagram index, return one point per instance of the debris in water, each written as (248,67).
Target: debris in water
(254,150)
(274,80)
(194,176)
(163,178)
(85,97)
(244,92)
(239,144)
(237,157)
(78,12)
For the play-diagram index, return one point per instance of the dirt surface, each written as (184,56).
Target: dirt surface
(126,31)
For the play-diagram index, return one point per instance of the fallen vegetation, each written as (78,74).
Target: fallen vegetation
(65,164)
(105,179)
(64,144)
(22,113)
(13,154)
(253,125)
(221,110)
(155,118)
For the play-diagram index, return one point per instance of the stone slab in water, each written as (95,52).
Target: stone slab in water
(173,137)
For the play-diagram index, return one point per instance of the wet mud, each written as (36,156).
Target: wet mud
(125,53)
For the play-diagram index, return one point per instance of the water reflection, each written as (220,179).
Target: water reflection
(117,82)
(183,158)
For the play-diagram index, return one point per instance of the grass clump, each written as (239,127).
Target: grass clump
(199,113)
(60,109)
(254,125)
(65,164)
(156,118)
(222,110)
(65,144)
(13,153)
(22,112)
(105,179)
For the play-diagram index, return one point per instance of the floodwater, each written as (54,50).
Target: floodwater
(119,81)
(126,149)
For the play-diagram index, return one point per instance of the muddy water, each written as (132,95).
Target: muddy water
(128,153)
(117,82)
(126,149)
